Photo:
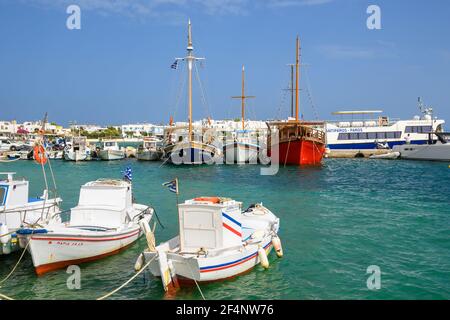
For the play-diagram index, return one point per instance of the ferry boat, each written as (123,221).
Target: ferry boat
(192,149)
(243,147)
(217,241)
(368,135)
(299,142)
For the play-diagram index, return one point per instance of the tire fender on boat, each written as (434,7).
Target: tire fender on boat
(263,257)
(276,242)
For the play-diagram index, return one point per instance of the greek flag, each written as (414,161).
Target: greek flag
(174,65)
(172,185)
(127,174)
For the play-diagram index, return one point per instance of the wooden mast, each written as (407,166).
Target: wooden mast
(297,56)
(243,97)
(190,59)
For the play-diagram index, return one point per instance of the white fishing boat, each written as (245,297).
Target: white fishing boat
(241,148)
(193,149)
(151,149)
(434,150)
(104,222)
(217,241)
(17,209)
(110,150)
(76,149)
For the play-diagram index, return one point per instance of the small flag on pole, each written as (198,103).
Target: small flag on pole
(172,185)
(127,174)
(174,65)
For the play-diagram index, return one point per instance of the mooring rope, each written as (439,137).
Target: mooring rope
(2,296)
(196,283)
(16,265)
(128,281)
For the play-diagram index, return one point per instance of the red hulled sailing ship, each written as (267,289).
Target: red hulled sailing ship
(299,142)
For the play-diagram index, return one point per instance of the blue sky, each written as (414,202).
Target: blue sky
(116,69)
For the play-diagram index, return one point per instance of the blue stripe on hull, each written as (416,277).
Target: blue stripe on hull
(369,145)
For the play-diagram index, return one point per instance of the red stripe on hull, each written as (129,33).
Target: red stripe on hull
(301,152)
(86,239)
(232,230)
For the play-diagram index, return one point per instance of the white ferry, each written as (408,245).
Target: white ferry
(367,131)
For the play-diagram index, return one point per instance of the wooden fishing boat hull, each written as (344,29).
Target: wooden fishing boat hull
(149,155)
(75,156)
(241,152)
(56,250)
(211,269)
(111,154)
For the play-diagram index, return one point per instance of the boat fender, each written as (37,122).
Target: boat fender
(263,257)
(5,237)
(276,242)
(139,262)
(149,236)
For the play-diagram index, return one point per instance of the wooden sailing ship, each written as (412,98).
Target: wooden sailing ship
(189,149)
(299,142)
(242,148)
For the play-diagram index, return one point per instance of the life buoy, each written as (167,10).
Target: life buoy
(208,199)
(39,154)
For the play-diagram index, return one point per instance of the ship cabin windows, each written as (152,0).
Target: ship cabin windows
(418,129)
(370,135)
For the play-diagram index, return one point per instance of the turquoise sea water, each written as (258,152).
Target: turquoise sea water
(336,221)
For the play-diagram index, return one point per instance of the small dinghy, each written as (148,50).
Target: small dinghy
(217,241)
(390,155)
(104,222)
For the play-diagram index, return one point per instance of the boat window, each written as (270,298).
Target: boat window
(372,135)
(381,135)
(353,136)
(362,136)
(2,195)
(343,136)
(390,135)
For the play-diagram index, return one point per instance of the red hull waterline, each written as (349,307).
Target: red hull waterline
(301,152)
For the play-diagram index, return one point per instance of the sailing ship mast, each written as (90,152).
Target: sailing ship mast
(297,75)
(190,59)
(243,97)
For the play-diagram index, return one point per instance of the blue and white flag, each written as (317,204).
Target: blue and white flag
(127,174)
(172,185)
(174,65)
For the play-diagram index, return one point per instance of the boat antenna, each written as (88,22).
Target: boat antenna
(243,97)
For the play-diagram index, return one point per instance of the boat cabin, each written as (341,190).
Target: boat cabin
(110,145)
(209,223)
(103,203)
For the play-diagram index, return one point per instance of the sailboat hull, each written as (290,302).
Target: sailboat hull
(301,152)
(192,153)
(238,152)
